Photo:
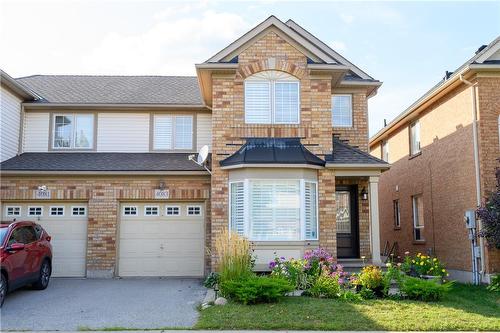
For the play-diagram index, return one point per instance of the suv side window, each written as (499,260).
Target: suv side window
(17,236)
(38,231)
(29,235)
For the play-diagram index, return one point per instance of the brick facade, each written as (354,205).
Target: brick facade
(103,196)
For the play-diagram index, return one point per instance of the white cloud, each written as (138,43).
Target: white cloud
(346,18)
(170,47)
(338,45)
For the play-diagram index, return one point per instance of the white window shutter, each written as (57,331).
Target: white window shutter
(184,132)
(258,102)
(311,212)
(286,102)
(238,208)
(162,132)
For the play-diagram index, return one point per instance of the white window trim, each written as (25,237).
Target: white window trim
(151,206)
(84,209)
(246,210)
(272,116)
(73,132)
(415,208)
(54,215)
(12,215)
(170,215)
(29,208)
(173,130)
(131,206)
(194,206)
(352,112)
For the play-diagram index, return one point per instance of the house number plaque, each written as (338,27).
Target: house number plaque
(162,194)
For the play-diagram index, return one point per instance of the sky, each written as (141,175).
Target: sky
(406,45)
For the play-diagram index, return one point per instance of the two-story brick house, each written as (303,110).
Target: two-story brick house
(444,150)
(104,161)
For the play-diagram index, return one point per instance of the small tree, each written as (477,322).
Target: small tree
(489,214)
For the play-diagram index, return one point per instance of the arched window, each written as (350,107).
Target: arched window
(272,97)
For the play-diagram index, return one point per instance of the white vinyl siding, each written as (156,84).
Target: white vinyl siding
(415,138)
(9,123)
(36,132)
(203,130)
(123,132)
(274,210)
(173,132)
(342,110)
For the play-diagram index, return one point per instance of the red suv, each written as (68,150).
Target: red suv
(25,256)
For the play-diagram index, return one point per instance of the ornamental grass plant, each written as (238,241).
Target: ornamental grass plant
(234,254)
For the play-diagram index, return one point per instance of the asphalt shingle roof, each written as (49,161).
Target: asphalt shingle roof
(100,162)
(88,89)
(343,153)
(272,151)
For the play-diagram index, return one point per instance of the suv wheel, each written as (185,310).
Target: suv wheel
(44,277)
(3,288)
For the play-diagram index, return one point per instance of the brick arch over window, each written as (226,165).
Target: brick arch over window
(271,64)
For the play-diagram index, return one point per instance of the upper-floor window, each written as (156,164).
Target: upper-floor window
(272,97)
(415,138)
(73,131)
(385,151)
(342,110)
(173,132)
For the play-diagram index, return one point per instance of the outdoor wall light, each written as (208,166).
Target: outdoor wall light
(364,194)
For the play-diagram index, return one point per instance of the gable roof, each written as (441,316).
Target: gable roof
(478,62)
(262,151)
(345,154)
(92,89)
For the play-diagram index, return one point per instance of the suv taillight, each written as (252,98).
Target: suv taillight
(48,238)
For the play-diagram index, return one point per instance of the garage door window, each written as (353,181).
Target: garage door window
(78,211)
(13,211)
(35,211)
(130,211)
(151,211)
(173,211)
(194,210)
(57,211)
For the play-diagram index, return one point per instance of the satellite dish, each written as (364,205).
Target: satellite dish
(202,155)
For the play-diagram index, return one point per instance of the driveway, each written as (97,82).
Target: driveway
(71,304)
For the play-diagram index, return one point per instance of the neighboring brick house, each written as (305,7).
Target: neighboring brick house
(435,176)
(104,160)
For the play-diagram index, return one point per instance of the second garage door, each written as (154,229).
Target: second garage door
(161,239)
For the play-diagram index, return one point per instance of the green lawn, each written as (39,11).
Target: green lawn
(464,308)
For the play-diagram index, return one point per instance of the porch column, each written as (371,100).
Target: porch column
(374,222)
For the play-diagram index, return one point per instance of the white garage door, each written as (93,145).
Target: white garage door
(161,239)
(66,223)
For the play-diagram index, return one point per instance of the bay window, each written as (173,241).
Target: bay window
(73,131)
(274,210)
(272,97)
(173,132)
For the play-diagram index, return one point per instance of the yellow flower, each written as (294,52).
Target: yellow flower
(431,268)
(419,254)
(413,261)
(422,263)
(444,270)
(435,259)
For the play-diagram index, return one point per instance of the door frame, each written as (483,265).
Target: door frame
(354,202)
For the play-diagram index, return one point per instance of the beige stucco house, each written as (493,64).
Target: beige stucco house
(444,151)
(103,161)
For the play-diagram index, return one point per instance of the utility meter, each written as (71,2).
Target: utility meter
(470,219)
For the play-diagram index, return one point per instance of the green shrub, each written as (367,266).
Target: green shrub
(325,286)
(495,283)
(424,290)
(293,270)
(371,277)
(256,289)
(350,296)
(366,293)
(212,280)
(423,265)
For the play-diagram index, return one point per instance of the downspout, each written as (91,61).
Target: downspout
(476,164)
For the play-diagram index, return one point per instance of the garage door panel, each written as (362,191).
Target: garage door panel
(161,245)
(68,236)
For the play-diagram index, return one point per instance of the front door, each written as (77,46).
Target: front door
(347,221)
